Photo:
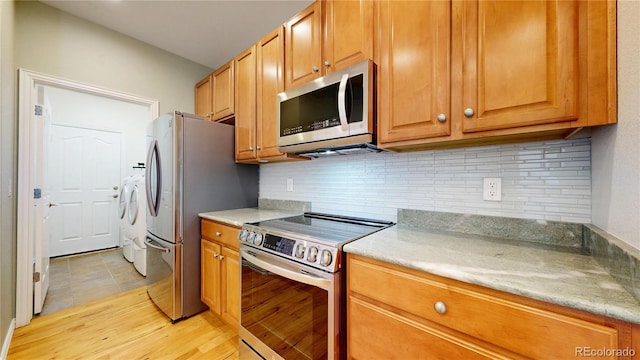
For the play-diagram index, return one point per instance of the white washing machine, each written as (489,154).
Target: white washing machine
(125,225)
(137,218)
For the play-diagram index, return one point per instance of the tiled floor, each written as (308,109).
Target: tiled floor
(78,279)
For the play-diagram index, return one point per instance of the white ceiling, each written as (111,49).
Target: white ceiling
(208,32)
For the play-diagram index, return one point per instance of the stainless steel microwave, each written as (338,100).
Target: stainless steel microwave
(334,113)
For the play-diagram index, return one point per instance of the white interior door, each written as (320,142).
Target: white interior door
(42,202)
(85,175)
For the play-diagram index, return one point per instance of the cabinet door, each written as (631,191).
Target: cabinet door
(348,33)
(302,46)
(223,94)
(210,275)
(203,98)
(270,83)
(520,63)
(413,68)
(230,261)
(245,87)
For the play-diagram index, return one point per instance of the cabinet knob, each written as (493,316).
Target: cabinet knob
(468,112)
(258,147)
(327,63)
(218,233)
(442,118)
(250,148)
(315,69)
(215,255)
(221,257)
(440,307)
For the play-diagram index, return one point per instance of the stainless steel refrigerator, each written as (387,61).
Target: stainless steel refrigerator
(190,169)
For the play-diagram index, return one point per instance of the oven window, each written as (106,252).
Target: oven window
(289,317)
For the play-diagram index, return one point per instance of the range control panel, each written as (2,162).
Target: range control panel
(303,251)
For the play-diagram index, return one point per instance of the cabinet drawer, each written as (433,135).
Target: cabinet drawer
(224,234)
(375,333)
(517,327)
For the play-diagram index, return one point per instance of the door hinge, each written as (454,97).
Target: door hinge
(36,277)
(38,110)
(37,193)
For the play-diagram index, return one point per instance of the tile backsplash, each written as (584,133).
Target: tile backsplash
(548,180)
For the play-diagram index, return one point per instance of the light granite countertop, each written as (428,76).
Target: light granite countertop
(553,274)
(237,217)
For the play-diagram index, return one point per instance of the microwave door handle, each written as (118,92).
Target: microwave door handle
(308,279)
(342,102)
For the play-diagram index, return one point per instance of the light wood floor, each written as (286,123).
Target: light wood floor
(123,326)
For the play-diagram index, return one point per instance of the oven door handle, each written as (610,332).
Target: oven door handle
(287,272)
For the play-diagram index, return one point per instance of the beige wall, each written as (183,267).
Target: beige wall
(8,159)
(616,149)
(56,43)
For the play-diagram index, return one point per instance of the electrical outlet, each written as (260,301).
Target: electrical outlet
(492,189)
(289,184)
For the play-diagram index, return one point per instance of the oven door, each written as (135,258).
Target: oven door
(288,310)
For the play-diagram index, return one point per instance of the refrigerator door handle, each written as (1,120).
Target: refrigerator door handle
(153,161)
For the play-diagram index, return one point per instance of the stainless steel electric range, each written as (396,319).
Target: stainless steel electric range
(292,285)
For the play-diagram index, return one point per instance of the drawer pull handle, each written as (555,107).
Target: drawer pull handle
(218,233)
(440,307)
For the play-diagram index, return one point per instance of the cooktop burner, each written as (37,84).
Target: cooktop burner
(330,229)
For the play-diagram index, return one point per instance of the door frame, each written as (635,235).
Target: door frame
(27,82)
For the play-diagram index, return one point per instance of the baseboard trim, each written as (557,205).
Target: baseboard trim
(7,340)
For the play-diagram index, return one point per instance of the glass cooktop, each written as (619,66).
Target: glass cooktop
(331,229)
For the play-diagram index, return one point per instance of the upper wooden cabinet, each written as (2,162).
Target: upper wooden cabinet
(520,63)
(214,95)
(325,37)
(482,72)
(245,93)
(222,80)
(259,79)
(449,73)
(203,98)
(347,34)
(413,69)
(270,83)
(303,52)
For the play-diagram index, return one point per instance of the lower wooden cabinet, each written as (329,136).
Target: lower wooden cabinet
(220,271)
(399,313)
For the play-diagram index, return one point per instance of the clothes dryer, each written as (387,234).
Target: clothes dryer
(136,215)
